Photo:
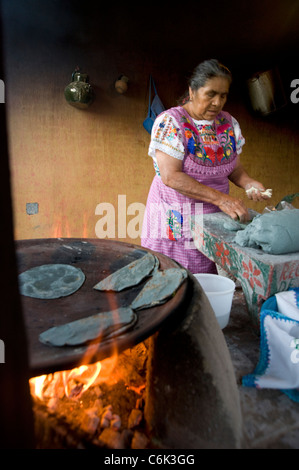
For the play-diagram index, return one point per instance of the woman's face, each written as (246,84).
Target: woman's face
(209,99)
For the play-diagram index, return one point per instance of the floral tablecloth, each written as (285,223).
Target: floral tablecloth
(260,274)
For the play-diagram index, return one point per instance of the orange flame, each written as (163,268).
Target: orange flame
(85,230)
(37,385)
(57,232)
(73,382)
(86,374)
(62,229)
(62,383)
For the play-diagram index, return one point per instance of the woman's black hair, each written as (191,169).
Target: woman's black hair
(202,73)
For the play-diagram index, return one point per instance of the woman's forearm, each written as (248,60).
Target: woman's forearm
(240,177)
(191,188)
(172,175)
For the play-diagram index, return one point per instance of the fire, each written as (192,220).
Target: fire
(84,374)
(57,233)
(85,226)
(67,383)
(73,383)
(37,384)
(61,227)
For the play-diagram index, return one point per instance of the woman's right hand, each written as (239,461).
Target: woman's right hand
(173,176)
(234,207)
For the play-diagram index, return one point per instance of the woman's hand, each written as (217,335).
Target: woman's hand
(257,192)
(233,207)
(173,176)
(254,189)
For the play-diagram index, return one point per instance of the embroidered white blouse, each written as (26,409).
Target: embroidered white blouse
(169,139)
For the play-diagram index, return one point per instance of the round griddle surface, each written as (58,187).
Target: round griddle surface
(97,259)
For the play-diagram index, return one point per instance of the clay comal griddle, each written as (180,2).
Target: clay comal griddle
(97,259)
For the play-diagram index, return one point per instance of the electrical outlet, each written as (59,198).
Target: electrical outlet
(32,208)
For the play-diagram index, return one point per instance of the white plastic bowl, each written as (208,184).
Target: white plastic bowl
(220,291)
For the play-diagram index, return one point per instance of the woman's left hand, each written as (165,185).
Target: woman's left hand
(257,192)
(254,189)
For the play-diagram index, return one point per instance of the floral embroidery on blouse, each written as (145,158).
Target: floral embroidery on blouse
(166,130)
(210,144)
(226,137)
(214,146)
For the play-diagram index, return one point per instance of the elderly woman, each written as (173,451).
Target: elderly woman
(196,151)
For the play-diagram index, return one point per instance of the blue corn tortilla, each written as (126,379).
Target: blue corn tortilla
(130,275)
(50,281)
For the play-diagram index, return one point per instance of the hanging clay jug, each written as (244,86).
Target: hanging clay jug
(121,84)
(79,92)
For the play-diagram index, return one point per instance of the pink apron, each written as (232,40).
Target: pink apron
(210,157)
